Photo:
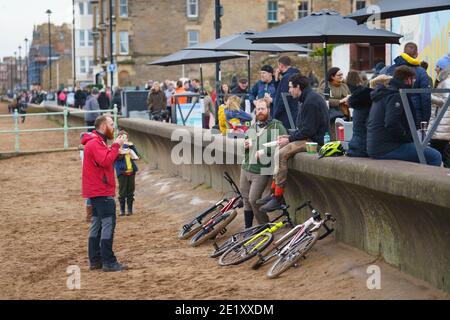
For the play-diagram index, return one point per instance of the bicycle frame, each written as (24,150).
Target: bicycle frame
(276,226)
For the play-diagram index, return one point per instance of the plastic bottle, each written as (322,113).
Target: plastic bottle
(326,138)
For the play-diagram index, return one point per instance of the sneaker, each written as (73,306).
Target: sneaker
(273,205)
(264,200)
(122,214)
(115,267)
(97,266)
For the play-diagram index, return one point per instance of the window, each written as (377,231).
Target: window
(272,12)
(123,8)
(360,4)
(124,46)
(90,38)
(89,8)
(81,6)
(91,66)
(193,38)
(82,64)
(113,10)
(303,9)
(192,8)
(82,41)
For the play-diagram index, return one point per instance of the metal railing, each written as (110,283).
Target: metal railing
(66,113)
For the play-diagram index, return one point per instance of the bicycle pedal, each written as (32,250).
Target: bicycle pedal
(223,231)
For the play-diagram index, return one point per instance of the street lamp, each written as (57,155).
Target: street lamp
(20,68)
(15,69)
(73,45)
(111,57)
(48,12)
(26,54)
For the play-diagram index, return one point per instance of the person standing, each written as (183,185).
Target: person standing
(91,105)
(99,185)
(257,167)
(103,100)
(126,169)
(264,88)
(156,102)
(80,98)
(282,75)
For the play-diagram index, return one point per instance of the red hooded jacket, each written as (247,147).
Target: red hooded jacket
(98,178)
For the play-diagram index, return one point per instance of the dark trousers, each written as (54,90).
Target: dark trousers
(126,187)
(101,232)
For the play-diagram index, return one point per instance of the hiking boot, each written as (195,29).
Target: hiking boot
(97,266)
(114,267)
(264,200)
(276,203)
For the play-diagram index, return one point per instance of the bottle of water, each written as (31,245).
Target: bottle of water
(326,138)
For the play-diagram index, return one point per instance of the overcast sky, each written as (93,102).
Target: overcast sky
(17,18)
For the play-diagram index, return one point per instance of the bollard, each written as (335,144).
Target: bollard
(16,129)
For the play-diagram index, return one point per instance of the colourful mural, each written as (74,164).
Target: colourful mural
(431,31)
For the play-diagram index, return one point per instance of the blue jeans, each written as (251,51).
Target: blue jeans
(101,232)
(407,152)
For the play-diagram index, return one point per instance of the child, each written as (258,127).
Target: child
(126,169)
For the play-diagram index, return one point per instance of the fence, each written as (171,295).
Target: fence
(65,127)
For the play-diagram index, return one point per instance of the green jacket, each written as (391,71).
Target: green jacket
(260,136)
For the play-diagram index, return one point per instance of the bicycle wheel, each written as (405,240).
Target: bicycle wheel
(242,252)
(213,229)
(194,226)
(265,257)
(237,237)
(290,257)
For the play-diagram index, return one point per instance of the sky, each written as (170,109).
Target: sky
(17,18)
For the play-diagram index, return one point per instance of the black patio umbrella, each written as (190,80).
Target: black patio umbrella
(326,26)
(399,8)
(196,57)
(240,42)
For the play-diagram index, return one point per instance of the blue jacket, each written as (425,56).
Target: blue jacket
(278,111)
(421,103)
(121,165)
(241,115)
(261,88)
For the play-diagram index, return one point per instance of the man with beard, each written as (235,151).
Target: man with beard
(256,169)
(99,185)
(312,124)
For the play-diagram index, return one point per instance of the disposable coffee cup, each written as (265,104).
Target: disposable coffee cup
(270,144)
(311,147)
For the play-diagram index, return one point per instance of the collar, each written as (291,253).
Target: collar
(410,60)
(102,136)
(305,92)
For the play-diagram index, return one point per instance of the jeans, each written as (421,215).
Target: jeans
(407,152)
(101,232)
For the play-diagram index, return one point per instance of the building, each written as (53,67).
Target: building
(145,30)
(61,47)
(84,43)
(12,74)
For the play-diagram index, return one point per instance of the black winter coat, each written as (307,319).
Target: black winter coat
(312,119)
(387,127)
(361,102)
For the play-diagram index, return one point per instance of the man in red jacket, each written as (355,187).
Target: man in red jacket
(99,185)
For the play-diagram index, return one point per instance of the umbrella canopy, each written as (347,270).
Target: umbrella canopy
(194,57)
(325,26)
(240,42)
(397,8)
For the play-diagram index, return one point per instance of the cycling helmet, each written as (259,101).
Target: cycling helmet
(331,149)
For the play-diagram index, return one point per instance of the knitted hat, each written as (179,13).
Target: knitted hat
(443,62)
(267,68)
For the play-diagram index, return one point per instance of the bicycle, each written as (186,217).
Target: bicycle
(217,218)
(303,239)
(241,235)
(250,247)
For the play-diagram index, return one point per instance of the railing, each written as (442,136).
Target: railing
(65,127)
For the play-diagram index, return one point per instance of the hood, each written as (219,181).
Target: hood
(380,80)
(381,91)
(290,71)
(87,136)
(405,59)
(360,98)
(239,114)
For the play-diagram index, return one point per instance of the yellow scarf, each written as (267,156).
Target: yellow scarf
(410,60)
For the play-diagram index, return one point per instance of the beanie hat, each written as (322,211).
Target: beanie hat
(267,68)
(443,62)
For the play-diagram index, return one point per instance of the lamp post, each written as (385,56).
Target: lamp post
(217,27)
(111,57)
(73,45)
(26,54)
(20,67)
(49,12)
(15,69)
